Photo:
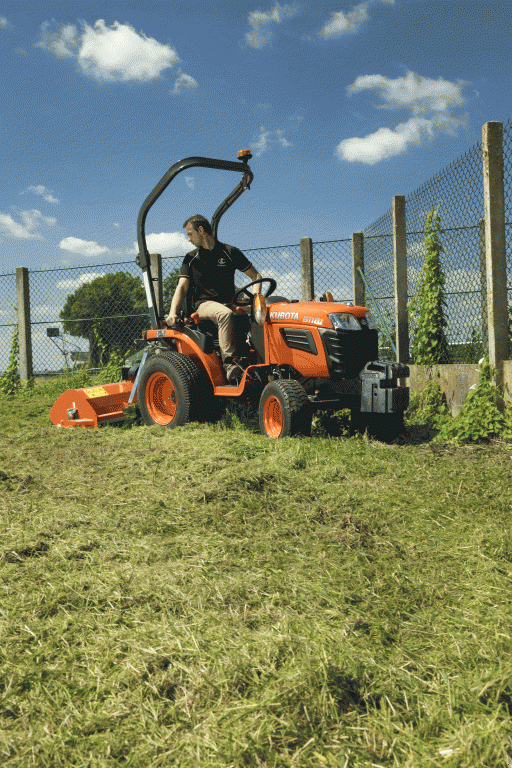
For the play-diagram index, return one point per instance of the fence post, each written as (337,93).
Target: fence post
(358,263)
(306,256)
(483,287)
(495,252)
(155,265)
(400,261)
(24,328)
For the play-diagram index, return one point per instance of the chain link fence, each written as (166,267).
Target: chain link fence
(458,191)
(114,319)
(8,317)
(333,269)
(111,315)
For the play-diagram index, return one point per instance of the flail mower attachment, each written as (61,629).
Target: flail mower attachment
(92,406)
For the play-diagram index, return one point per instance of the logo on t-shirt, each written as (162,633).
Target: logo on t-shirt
(221,262)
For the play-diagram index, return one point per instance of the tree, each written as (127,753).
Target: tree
(169,286)
(110,311)
(427,308)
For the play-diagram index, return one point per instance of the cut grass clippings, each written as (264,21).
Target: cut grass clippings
(208,597)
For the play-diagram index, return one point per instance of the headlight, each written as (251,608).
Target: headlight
(260,309)
(344,321)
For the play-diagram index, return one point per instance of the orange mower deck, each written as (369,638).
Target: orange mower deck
(92,406)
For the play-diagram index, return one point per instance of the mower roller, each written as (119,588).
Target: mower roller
(297,356)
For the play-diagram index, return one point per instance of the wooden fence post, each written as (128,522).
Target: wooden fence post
(307,280)
(400,260)
(358,264)
(24,328)
(495,249)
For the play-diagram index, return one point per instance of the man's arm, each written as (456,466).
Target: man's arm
(253,274)
(177,300)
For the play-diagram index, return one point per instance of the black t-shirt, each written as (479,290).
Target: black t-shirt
(212,273)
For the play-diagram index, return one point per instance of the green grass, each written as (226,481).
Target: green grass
(208,597)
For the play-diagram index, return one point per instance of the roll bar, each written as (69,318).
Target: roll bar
(189,162)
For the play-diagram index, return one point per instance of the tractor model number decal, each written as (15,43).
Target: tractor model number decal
(284,315)
(314,320)
(95,392)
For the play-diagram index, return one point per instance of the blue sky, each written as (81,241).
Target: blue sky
(344,104)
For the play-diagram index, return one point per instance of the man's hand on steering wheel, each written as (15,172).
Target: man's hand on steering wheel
(244,291)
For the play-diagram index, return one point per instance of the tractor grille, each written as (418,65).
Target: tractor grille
(296,338)
(349,351)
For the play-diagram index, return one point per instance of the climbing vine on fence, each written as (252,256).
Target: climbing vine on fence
(10,380)
(427,309)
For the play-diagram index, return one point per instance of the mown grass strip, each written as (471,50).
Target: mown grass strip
(209,597)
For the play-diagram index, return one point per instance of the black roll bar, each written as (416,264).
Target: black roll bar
(189,162)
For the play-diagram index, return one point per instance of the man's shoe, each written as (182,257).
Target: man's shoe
(234,373)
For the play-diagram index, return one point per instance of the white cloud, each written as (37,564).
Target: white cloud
(115,53)
(45,193)
(82,247)
(260,145)
(385,142)
(4,22)
(429,103)
(31,221)
(166,243)
(190,182)
(44,310)
(72,285)
(184,83)
(288,283)
(348,23)
(261,21)
(420,94)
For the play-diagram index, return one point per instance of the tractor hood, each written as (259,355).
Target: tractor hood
(315,313)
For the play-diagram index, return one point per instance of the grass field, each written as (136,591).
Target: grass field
(207,597)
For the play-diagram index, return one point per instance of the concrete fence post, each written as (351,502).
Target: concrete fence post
(24,328)
(358,264)
(484,332)
(155,265)
(495,251)
(307,281)
(400,262)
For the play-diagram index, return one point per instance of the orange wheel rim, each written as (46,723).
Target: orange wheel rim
(273,417)
(161,398)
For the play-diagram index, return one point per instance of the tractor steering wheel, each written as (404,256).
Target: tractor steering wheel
(237,298)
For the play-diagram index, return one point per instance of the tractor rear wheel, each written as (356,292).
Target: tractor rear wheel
(284,409)
(166,391)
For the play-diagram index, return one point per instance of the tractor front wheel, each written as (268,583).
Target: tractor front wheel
(284,409)
(166,388)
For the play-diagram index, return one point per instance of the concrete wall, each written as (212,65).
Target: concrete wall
(456,380)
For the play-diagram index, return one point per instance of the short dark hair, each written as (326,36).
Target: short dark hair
(199,221)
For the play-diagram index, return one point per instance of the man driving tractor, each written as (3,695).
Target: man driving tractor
(207,275)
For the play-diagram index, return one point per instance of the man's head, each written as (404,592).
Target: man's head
(199,231)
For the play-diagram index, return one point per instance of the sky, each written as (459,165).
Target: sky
(342,104)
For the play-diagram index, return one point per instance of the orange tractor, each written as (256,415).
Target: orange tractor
(299,356)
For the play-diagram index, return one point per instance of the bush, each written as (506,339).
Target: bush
(428,407)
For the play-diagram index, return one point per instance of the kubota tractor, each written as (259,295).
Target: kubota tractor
(299,356)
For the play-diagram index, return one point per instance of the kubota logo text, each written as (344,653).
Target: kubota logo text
(284,315)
